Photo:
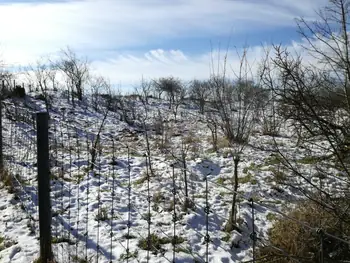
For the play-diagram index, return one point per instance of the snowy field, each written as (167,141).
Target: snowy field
(90,209)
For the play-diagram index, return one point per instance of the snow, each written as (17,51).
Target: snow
(79,195)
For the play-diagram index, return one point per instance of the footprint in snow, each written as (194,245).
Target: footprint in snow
(14,251)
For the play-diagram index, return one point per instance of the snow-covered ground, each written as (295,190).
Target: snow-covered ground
(80,196)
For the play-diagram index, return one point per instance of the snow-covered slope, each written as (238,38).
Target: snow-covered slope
(90,208)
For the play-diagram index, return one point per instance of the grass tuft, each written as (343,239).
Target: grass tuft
(7,179)
(309,160)
(156,242)
(273,159)
(271,217)
(129,255)
(249,178)
(102,215)
(57,240)
(141,180)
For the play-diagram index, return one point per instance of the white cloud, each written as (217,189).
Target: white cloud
(102,28)
(155,63)
(94,26)
(128,70)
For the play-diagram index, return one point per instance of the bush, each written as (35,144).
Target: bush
(9,92)
(7,179)
(19,92)
(40,97)
(304,244)
(6,92)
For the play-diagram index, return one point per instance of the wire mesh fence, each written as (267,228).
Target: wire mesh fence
(103,208)
(19,150)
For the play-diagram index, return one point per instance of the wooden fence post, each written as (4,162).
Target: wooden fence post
(44,187)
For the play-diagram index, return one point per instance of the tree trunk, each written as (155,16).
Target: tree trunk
(79,91)
(231,224)
(201,106)
(187,200)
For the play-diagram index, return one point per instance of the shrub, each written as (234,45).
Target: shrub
(40,97)
(19,92)
(7,180)
(304,244)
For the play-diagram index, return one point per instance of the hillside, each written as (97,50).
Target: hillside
(91,207)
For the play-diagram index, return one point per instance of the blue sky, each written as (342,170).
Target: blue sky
(128,39)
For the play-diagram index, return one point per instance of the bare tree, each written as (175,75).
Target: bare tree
(75,71)
(101,94)
(124,106)
(157,89)
(236,106)
(148,153)
(102,85)
(316,99)
(162,128)
(199,91)
(41,75)
(212,123)
(170,86)
(144,90)
(6,78)
(178,99)
(235,110)
(180,154)
(271,121)
(159,123)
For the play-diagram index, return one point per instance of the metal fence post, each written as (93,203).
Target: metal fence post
(44,187)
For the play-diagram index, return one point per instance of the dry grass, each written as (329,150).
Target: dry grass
(222,143)
(157,242)
(302,243)
(249,178)
(7,180)
(161,143)
(191,138)
(279,176)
